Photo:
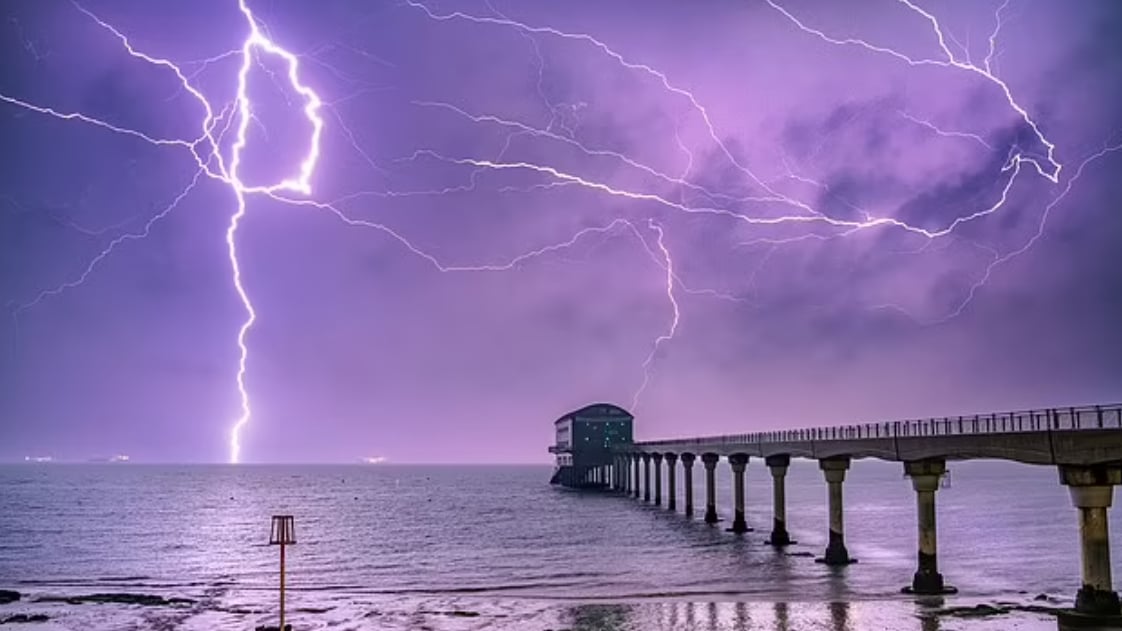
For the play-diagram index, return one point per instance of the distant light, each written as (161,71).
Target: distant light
(119,458)
(38,459)
(374,459)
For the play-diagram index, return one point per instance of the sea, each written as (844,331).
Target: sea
(448,547)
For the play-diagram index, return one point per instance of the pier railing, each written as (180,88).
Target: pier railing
(1040,420)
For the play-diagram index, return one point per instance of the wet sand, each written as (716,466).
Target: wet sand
(223,609)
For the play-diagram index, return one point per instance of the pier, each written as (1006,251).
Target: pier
(1083,443)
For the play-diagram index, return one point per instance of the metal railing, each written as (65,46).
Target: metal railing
(1047,419)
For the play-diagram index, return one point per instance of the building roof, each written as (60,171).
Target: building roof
(607,409)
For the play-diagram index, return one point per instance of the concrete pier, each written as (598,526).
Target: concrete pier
(778,465)
(671,474)
(1085,443)
(925,475)
(687,481)
(710,461)
(1092,490)
(834,470)
(646,477)
(738,462)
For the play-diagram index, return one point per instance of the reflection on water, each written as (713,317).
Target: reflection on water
(929,623)
(720,616)
(598,617)
(790,616)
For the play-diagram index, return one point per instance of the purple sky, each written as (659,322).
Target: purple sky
(803,189)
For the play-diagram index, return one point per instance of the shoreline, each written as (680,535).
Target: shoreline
(232,607)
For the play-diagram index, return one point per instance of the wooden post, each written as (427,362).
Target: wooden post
(282,588)
(282,533)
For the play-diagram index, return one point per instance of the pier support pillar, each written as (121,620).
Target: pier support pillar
(630,471)
(628,477)
(646,477)
(658,478)
(687,481)
(635,488)
(671,476)
(925,475)
(738,462)
(778,465)
(1092,490)
(834,469)
(710,461)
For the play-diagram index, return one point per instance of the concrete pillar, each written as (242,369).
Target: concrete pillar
(671,474)
(925,475)
(778,466)
(635,489)
(646,477)
(834,470)
(710,461)
(632,474)
(738,462)
(1092,490)
(687,480)
(658,478)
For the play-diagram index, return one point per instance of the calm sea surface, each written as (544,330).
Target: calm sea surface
(452,547)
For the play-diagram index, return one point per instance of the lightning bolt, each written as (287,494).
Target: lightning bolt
(1051,170)
(1048,167)
(108,249)
(1005,258)
(692,198)
(206,152)
(669,335)
(301,183)
(944,133)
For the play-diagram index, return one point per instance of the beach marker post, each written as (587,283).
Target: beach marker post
(282,533)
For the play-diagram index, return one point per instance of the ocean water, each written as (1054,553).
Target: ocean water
(496,547)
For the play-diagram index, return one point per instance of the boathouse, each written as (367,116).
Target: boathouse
(584,443)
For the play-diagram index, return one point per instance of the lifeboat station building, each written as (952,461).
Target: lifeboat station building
(584,443)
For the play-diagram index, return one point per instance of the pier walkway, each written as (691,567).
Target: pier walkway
(1084,443)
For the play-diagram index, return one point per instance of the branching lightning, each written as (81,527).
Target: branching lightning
(212,163)
(108,249)
(679,193)
(673,328)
